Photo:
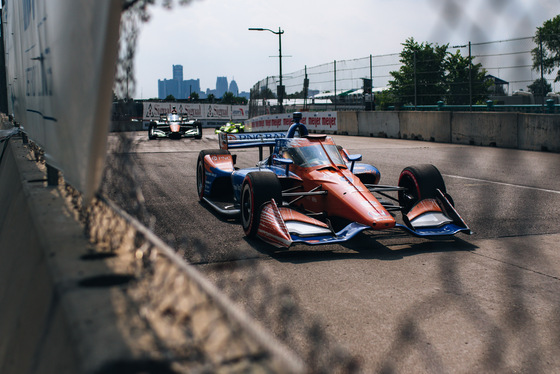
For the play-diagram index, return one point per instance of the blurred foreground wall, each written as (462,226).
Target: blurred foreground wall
(109,297)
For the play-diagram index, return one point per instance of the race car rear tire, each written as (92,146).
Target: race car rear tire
(199,128)
(201,170)
(151,128)
(421,182)
(257,189)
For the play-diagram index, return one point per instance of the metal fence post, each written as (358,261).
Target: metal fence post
(542,73)
(371,97)
(415,84)
(470,78)
(334,97)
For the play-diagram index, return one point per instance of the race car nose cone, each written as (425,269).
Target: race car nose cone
(382,220)
(348,198)
(385,224)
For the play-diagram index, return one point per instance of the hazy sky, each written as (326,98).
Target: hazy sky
(210,38)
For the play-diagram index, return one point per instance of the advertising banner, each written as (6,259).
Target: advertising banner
(60,68)
(319,121)
(152,111)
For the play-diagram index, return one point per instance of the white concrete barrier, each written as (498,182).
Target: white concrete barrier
(486,129)
(431,126)
(35,336)
(539,132)
(379,124)
(535,132)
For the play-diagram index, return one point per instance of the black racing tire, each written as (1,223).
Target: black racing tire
(201,170)
(151,127)
(421,182)
(257,188)
(199,128)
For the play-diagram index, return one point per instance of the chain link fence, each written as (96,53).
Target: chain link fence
(339,85)
(277,307)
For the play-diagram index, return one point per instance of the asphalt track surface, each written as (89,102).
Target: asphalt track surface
(489,302)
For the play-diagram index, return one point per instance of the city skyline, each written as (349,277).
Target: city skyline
(181,88)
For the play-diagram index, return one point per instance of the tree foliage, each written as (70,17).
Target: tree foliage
(429,73)
(464,79)
(540,87)
(230,98)
(263,93)
(384,99)
(194,96)
(296,95)
(547,58)
(420,80)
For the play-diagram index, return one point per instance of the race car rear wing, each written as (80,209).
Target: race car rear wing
(249,140)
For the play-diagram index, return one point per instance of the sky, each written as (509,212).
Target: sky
(210,38)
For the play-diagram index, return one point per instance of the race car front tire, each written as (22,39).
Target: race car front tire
(420,182)
(199,129)
(201,170)
(257,189)
(151,128)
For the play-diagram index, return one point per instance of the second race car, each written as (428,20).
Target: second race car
(174,126)
(311,191)
(231,128)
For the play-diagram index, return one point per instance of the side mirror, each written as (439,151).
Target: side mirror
(353,159)
(285,161)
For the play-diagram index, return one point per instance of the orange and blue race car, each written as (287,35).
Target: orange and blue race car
(311,191)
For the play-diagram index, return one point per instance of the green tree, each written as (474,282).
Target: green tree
(170,98)
(194,96)
(240,100)
(295,95)
(547,36)
(384,99)
(536,88)
(228,98)
(459,86)
(421,78)
(263,93)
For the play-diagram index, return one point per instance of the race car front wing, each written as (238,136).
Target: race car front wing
(282,226)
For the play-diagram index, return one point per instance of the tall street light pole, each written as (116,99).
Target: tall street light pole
(280,91)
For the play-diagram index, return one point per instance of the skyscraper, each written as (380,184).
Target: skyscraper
(168,87)
(179,88)
(178,73)
(189,86)
(221,86)
(233,88)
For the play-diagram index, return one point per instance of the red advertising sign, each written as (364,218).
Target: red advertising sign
(320,121)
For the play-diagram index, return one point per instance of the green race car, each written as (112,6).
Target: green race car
(230,128)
